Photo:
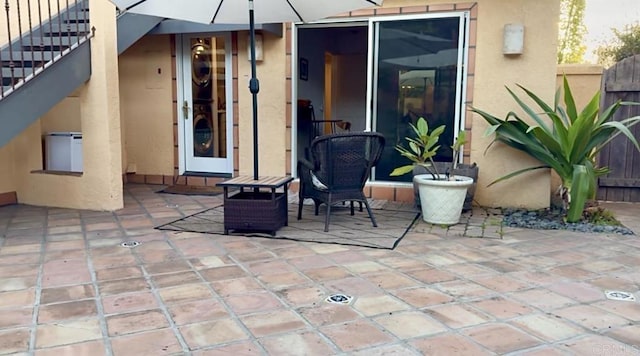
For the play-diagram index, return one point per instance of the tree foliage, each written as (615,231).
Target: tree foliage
(571,31)
(626,44)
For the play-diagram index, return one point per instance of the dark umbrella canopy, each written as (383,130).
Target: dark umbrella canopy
(245,12)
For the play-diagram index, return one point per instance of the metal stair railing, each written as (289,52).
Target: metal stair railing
(47,30)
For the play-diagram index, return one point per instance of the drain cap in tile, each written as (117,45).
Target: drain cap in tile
(620,295)
(130,244)
(339,299)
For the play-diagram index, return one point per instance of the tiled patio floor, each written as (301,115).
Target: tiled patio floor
(67,287)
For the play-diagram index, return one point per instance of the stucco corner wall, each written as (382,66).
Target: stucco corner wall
(534,69)
(100,185)
(146,106)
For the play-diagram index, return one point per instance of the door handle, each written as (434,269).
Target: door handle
(185,110)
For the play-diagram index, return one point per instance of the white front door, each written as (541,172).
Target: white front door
(205,120)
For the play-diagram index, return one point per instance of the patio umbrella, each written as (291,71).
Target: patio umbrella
(239,12)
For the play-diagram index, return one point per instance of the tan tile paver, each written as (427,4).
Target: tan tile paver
(70,310)
(501,308)
(407,325)
(155,342)
(83,348)
(242,348)
(234,286)
(356,335)
(122,324)
(175,279)
(252,303)
(197,311)
(375,305)
(299,296)
(185,293)
(592,318)
(17,298)
(327,314)
(448,344)
(422,297)
(212,333)
(68,293)
(123,303)
(274,322)
(457,315)
(598,345)
(294,344)
(547,327)
(68,332)
(15,317)
(501,338)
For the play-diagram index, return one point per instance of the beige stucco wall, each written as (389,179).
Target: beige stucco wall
(7,176)
(272,138)
(65,116)
(584,80)
(536,70)
(146,106)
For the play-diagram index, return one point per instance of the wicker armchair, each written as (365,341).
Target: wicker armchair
(339,167)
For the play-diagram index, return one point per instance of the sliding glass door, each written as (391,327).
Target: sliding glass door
(417,71)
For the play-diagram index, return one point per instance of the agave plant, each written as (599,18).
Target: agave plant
(568,144)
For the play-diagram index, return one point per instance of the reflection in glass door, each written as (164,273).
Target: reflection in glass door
(206,123)
(417,72)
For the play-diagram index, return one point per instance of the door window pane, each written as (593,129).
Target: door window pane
(417,67)
(208,97)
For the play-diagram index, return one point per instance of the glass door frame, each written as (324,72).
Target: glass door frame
(461,75)
(186,159)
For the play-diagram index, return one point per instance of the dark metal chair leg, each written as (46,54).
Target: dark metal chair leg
(301,200)
(326,218)
(373,219)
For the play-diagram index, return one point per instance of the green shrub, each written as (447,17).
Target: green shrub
(569,143)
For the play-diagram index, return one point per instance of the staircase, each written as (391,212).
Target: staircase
(49,57)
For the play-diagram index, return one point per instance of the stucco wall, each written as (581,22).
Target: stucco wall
(65,116)
(272,139)
(584,80)
(7,177)
(536,70)
(146,106)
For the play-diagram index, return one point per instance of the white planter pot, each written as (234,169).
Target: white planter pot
(441,200)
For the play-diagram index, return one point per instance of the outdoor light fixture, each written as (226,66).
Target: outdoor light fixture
(259,55)
(513,42)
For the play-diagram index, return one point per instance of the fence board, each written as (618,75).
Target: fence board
(621,82)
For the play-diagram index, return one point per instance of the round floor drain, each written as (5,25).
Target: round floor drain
(619,295)
(130,244)
(339,299)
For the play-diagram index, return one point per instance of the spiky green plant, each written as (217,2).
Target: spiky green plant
(569,143)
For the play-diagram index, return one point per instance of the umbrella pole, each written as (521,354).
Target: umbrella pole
(254,87)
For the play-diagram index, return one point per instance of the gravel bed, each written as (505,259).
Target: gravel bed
(548,219)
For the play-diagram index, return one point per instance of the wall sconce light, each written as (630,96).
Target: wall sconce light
(513,42)
(259,55)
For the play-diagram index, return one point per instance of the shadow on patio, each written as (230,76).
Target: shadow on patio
(67,285)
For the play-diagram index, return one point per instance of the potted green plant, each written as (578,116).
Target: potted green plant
(442,194)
